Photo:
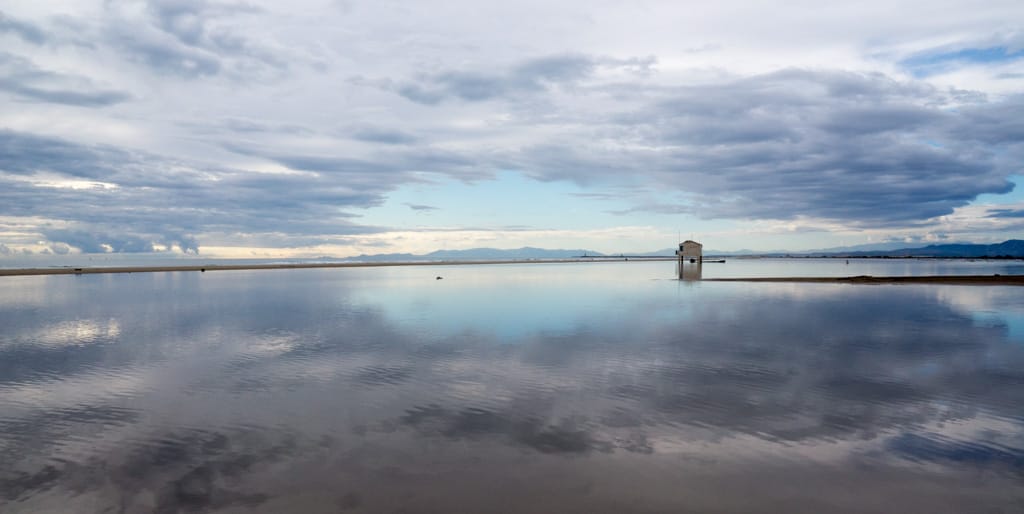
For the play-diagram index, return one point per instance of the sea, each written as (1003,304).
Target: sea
(589,387)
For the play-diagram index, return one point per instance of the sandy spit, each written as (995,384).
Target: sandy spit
(964,280)
(231,267)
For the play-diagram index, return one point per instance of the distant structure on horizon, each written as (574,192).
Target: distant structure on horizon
(691,259)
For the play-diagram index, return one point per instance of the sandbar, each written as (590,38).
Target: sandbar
(960,280)
(1006,280)
(69,270)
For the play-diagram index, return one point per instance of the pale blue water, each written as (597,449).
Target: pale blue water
(597,387)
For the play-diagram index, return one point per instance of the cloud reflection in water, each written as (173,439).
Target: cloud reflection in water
(302,390)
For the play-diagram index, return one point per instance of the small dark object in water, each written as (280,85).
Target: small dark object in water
(693,261)
(78,271)
(439,278)
(202,270)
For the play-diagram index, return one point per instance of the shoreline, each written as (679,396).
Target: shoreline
(70,270)
(1012,280)
(960,280)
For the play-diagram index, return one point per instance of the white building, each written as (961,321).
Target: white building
(690,251)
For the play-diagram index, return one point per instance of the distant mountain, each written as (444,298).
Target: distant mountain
(479,254)
(869,247)
(1011,248)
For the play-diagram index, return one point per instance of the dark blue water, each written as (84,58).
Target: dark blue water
(523,388)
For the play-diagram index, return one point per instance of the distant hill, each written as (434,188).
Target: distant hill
(869,247)
(479,254)
(1011,248)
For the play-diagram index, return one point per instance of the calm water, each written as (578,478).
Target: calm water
(581,388)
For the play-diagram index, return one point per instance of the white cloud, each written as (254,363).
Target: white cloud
(751,111)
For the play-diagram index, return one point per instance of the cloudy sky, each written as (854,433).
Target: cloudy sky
(341,127)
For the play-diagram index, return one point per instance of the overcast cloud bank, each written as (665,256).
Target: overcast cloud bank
(171,125)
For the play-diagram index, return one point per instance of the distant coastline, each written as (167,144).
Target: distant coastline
(85,270)
(967,280)
(1016,280)
(1010,249)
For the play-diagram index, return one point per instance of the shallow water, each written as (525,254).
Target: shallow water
(605,387)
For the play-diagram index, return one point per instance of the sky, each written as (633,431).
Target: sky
(344,127)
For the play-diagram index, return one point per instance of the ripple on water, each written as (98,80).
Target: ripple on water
(935,448)
(263,391)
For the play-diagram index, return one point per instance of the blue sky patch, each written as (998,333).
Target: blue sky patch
(929,63)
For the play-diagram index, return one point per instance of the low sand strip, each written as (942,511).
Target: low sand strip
(1008,280)
(964,280)
(229,267)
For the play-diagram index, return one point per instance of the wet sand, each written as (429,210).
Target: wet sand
(965,280)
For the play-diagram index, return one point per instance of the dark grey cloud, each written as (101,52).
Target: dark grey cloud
(90,242)
(25,154)
(183,38)
(450,95)
(862,149)
(1000,123)
(874,119)
(21,77)
(1006,213)
(141,199)
(535,75)
(243,125)
(25,30)
(55,32)
(858,148)
(384,136)
(166,56)
(6,251)
(420,207)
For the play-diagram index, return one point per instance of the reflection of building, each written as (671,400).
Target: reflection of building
(691,260)
(690,271)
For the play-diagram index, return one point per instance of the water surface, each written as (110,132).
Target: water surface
(598,387)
